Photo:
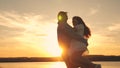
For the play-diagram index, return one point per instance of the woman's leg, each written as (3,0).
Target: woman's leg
(79,60)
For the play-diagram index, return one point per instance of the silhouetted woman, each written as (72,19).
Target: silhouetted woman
(78,49)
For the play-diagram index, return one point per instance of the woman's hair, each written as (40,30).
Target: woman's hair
(87,32)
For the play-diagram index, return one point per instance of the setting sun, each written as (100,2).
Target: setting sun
(50,43)
(51,40)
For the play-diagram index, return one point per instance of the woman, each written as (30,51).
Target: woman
(78,49)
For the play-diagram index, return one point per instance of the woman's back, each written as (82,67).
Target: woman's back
(80,29)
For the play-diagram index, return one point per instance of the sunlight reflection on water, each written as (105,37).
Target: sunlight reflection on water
(58,65)
(51,64)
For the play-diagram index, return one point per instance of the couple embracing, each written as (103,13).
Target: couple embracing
(73,41)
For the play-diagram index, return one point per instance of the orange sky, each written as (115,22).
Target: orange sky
(28,27)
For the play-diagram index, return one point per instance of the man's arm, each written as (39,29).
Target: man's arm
(69,31)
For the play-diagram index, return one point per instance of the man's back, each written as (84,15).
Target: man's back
(63,38)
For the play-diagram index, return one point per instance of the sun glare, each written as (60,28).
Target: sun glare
(59,17)
(42,36)
(58,65)
(52,43)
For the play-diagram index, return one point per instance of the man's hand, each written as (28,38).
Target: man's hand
(70,31)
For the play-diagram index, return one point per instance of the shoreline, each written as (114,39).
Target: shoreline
(54,59)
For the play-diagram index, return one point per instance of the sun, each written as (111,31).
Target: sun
(49,44)
(52,42)
(53,48)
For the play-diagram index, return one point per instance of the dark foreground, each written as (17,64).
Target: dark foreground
(53,59)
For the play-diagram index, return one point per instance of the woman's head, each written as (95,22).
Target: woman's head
(78,20)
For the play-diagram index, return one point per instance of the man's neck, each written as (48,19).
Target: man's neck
(62,22)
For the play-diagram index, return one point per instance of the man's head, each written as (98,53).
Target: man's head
(62,16)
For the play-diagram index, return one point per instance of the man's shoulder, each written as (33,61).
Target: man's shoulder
(63,25)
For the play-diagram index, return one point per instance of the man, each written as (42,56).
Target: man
(65,33)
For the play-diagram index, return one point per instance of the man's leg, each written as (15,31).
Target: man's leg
(69,65)
(66,59)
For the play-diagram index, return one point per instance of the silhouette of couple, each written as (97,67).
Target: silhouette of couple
(73,41)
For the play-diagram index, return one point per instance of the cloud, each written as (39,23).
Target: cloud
(23,28)
(114,30)
(92,11)
(27,31)
(21,23)
(108,34)
(14,19)
(114,27)
(7,32)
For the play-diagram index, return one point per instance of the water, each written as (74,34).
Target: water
(51,64)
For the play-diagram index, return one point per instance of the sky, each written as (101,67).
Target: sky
(28,28)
